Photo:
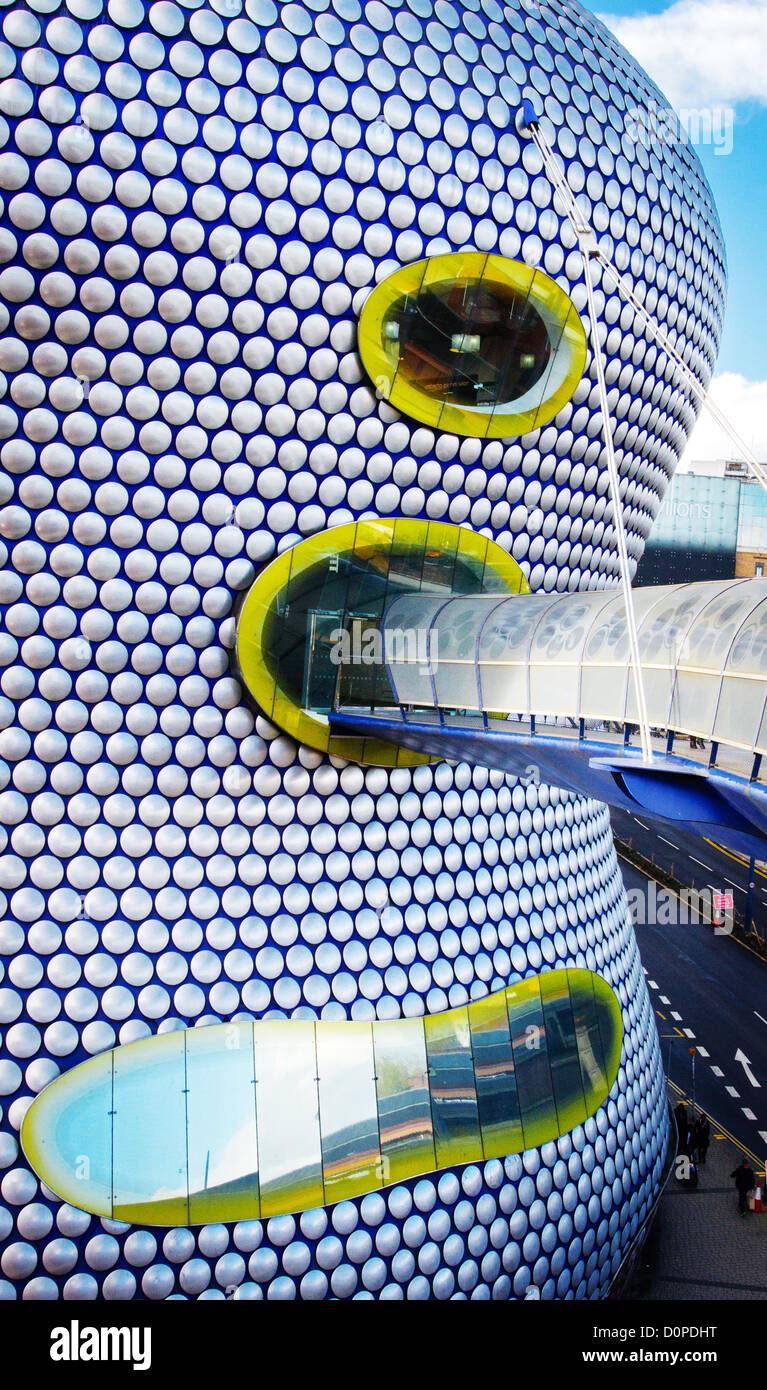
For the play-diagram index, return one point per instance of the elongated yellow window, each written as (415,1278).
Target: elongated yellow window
(473,344)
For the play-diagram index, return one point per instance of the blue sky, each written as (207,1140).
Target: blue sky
(713,54)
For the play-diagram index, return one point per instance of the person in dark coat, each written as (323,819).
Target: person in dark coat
(745,1183)
(683,1128)
(702,1137)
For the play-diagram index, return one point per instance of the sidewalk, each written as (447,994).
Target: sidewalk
(700,1247)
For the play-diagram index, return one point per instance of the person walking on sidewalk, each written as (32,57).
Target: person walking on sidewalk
(745,1183)
(702,1137)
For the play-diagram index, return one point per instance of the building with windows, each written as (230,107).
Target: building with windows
(228,329)
(712,524)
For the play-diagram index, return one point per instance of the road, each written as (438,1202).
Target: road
(709,991)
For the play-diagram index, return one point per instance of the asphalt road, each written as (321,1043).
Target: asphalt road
(709,992)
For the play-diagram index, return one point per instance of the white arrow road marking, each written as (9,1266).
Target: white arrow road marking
(741,1057)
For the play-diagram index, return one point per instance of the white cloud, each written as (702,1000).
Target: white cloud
(701,53)
(744,403)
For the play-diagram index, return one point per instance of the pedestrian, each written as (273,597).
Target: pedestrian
(703,1137)
(744,1182)
(683,1128)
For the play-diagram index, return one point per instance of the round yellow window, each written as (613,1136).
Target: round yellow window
(473,344)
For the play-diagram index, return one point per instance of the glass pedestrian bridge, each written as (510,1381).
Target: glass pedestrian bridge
(390,642)
(703,649)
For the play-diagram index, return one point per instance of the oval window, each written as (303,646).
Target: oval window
(473,344)
(309,629)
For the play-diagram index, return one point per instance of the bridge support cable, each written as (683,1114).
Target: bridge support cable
(587,243)
(582,229)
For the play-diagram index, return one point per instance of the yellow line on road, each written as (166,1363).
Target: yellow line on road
(733,854)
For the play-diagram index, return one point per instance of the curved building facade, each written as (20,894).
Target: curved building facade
(199,200)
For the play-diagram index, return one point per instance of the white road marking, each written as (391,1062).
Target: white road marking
(689,1034)
(654,985)
(759,1016)
(676,1017)
(763,1135)
(741,1057)
(668,842)
(707,867)
(732,1092)
(749,1114)
(664,999)
(717,1071)
(702,1052)
(641,822)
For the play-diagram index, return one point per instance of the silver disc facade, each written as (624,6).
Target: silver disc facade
(198,199)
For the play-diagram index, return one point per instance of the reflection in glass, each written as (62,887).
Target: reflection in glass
(221,1123)
(563,1049)
(149,1129)
(468,342)
(287,1106)
(495,1077)
(531,1061)
(242,1120)
(453,1092)
(588,1039)
(67,1135)
(404,1102)
(351,1151)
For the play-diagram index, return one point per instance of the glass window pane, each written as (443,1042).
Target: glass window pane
(694,702)
(588,1038)
(404,1104)
(221,1123)
(150,1177)
(505,688)
(495,1078)
(287,1115)
(603,692)
(739,715)
(67,1135)
(456,685)
(351,1152)
(554,689)
(563,1051)
(531,1063)
(453,1094)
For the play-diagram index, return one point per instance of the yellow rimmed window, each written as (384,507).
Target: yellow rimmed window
(473,344)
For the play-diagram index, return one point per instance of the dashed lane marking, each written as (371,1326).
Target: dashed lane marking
(732,1092)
